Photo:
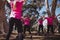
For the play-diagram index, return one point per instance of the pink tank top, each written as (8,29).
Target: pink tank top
(18,12)
(19,6)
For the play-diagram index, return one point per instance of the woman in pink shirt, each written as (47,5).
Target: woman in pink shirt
(15,17)
(40,22)
(27,24)
(50,24)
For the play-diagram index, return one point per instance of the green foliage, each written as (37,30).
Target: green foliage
(33,8)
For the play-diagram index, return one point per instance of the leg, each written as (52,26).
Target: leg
(48,28)
(39,29)
(19,29)
(52,29)
(24,29)
(11,23)
(59,28)
(15,28)
(42,28)
(29,29)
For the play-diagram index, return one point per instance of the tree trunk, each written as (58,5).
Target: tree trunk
(47,7)
(54,4)
(3,22)
(52,13)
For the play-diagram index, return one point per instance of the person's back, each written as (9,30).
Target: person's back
(50,20)
(15,18)
(16,9)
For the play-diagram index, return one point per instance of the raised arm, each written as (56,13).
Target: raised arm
(24,1)
(8,1)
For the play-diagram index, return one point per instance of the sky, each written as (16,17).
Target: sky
(44,8)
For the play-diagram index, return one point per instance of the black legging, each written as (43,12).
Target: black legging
(17,23)
(59,28)
(50,27)
(40,28)
(27,27)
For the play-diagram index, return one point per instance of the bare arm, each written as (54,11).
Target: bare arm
(8,1)
(14,5)
(24,1)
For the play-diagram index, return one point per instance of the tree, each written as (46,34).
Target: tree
(52,12)
(58,4)
(32,9)
(47,8)
(53,8)
(54,4)
(3,22)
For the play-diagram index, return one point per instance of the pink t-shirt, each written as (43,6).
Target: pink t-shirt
(50,20)
(27,21)
(18,12)
(40,22)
